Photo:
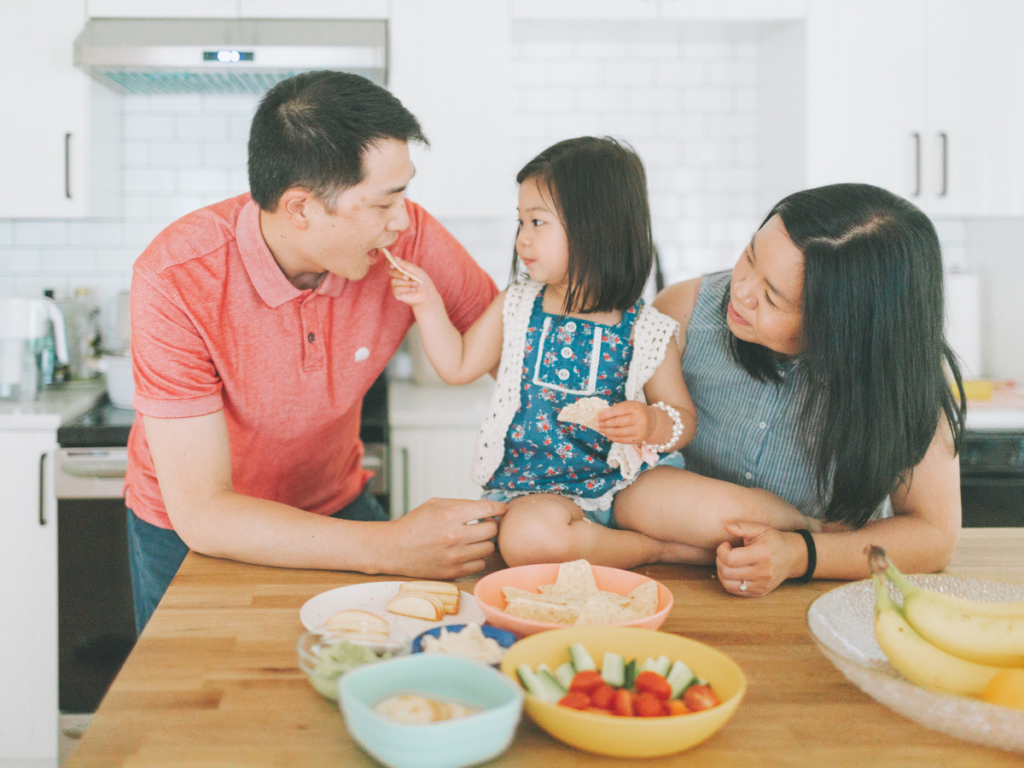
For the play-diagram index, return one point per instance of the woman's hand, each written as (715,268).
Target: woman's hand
(766,558)
(410,292)
(629,422)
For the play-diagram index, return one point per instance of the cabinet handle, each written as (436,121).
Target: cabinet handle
(917,164)
(405,481)
(42,489)
(67,165)
(944,138)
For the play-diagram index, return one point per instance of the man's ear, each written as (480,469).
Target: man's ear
(295,204)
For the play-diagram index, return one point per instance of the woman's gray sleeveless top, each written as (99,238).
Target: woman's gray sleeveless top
(747,430)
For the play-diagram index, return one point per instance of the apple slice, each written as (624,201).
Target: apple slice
(448,594)
(418,605)
(357,621)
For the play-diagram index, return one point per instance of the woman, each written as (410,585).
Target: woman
(819,371)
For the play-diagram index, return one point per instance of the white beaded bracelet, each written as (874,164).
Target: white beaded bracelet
(677,428)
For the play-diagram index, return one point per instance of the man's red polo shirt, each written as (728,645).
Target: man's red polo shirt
(216,325)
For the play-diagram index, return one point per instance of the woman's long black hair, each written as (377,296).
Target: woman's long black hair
(599,190)
(874,346)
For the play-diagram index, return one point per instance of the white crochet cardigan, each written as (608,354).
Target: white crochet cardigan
(652,332)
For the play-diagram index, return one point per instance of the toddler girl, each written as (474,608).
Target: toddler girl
(578,328)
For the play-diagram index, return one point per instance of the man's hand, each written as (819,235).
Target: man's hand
(435,540)
(629,422)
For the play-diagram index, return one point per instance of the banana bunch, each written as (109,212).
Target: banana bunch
(942,642)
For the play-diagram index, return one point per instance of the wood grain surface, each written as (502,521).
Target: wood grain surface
(213,681)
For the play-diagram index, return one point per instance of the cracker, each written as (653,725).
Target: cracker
(643,601)
(511,593)
(598,610)
(575,579)
(583,412)
(535,610)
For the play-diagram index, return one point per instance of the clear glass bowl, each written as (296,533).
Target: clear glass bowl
(324,660)
(842,623)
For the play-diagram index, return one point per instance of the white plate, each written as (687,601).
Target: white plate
(842,623)
(373,597)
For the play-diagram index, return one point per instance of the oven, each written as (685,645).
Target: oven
(992,479)
(96,616)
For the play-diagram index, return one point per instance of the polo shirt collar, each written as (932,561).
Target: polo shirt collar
(266,276)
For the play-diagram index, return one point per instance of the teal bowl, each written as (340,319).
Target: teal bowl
(450,744)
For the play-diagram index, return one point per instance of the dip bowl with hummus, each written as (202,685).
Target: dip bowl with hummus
(483,643)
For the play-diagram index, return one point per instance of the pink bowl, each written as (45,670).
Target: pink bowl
(492,602)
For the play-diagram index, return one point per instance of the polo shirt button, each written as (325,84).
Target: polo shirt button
(762,425)
(563,374)
(566,353)
(748,475)
(570,326)
(311,338)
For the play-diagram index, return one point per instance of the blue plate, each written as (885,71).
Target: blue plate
(502,637)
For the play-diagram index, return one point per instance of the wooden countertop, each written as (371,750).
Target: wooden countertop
(213,681)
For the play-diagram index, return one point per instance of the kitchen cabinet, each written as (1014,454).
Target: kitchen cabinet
(61,157)
(922,98)
(28,599)
(584,9)
(234,9)
(450,66)
(719,10)
(433,437)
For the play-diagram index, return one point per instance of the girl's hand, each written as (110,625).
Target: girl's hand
(766,558)
(409,291)
(628,422)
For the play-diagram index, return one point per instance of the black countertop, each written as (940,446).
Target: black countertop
(107,427)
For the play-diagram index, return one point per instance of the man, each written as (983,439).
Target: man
(259,323)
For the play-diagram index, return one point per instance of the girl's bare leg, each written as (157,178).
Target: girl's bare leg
(675,505)
(547,528)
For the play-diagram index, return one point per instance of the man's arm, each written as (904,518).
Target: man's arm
(192,457)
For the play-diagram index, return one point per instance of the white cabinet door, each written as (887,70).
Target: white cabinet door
(865,94)
(584,9)
(450,66)
(28,600)
(313,9)
(428,463)
(973,162)
(43,138)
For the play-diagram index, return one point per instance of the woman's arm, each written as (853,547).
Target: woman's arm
(920,538)
(457,359)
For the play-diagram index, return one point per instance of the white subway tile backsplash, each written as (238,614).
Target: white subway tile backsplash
(544,49)
(171,207)
(655,100)
(529,126)
(546,99)
(205,127)
(34,285)
(677,72)
(225,153)
(244,104)
(206,181)
(94,232)
(20,260)
(72,260)
(577,73)
(602,50)
(6,233)
(135,206)
(116,260)
(628,72)
(164,153)
(238,127)
(680,127)
(40,233)
(148,180)
(135,153)
(706,99)
(576,124)
(176,104)
(238,182)
(631,126)
(601,99)
(147,126)
(734,125)
(654,50)
(531,73)
(140,233)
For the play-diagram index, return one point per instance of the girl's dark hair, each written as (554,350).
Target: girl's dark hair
(874,347)
(599,190)
(311,131)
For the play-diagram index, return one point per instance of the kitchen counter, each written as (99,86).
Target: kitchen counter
(54,406)
(213,681)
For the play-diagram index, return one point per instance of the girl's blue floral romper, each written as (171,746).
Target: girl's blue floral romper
(566,359)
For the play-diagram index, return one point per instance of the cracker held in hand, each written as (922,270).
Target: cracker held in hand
(583,412)
(575,599)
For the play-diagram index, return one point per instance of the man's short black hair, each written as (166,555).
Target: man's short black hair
(311,131)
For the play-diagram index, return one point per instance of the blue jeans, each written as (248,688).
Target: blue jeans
(155,554)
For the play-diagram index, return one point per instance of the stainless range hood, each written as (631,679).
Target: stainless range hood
(225,55)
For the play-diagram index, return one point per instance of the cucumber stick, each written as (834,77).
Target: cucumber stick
(613,670)
(631,672)
(661,665)
(565,673)
(680,677)
(580,658)
(543,685)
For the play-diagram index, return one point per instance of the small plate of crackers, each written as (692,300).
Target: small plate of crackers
(535,598)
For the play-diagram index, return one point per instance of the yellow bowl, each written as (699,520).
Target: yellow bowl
(628,736)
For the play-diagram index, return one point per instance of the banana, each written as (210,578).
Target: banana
(995,610)
(919,661)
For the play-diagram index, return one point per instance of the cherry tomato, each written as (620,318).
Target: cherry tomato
(586,681)
(698,697)
(603,697)
(622,705)
(575,700)
(654,683)
(676,707)
(647,704)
